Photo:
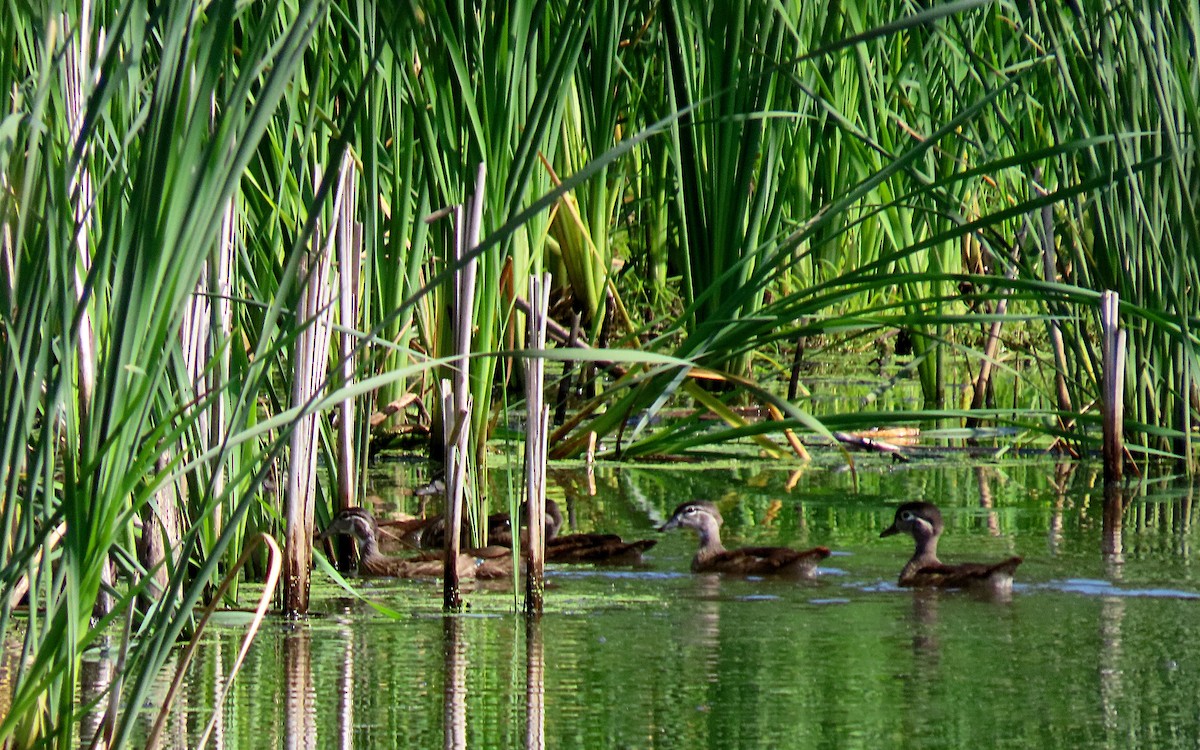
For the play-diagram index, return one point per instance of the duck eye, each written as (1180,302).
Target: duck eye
(906,516)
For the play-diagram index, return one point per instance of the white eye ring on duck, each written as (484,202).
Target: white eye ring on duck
(907,516)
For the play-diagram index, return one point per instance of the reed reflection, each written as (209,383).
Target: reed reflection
(300,700)
(1183,518)
(1060,483)
(454,713)
(345,714)
(986,500)
(1111,542)
(535,685)
(95,680)
(9,653)
(218,718)
(1112,685)
(184,722)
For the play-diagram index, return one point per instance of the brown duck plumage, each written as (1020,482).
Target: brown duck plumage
(596,549)
(361,525)
(712,557)
(923,522)
(430,533)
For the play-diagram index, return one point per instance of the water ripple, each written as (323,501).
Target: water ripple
(1095,587)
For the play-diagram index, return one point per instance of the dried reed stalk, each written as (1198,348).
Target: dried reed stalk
(456,393)
(1112,405)
(310,369)
(348,239)
(537,426)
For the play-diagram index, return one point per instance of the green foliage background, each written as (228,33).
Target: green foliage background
(709,183)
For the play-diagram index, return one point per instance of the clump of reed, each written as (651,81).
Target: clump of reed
(710,185)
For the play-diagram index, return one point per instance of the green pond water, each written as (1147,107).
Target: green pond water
(1099,645)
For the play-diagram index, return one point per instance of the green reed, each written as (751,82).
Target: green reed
(939,158)
(174,119)
(488,85)
(1125,72)
(765,175)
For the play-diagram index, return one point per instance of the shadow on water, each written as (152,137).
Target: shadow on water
(1098,643)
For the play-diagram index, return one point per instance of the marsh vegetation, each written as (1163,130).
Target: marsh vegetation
(218,242)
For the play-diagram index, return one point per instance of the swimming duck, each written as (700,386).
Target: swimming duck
(430,533)
(361,525)
(923,522)
(593,548)
(712,556)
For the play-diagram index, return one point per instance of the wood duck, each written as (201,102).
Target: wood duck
(361,525)
(712,557)
(430,533)
(923,522)
(596,549)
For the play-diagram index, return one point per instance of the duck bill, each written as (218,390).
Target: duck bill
(672,524)
(889,531)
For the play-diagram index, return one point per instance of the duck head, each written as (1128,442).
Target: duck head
(694,514)
(920,520)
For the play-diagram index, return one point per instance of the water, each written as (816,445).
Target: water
(1098,647)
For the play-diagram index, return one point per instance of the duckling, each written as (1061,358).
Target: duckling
(361,525)
(712,557)
(923,522)
(596,549)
